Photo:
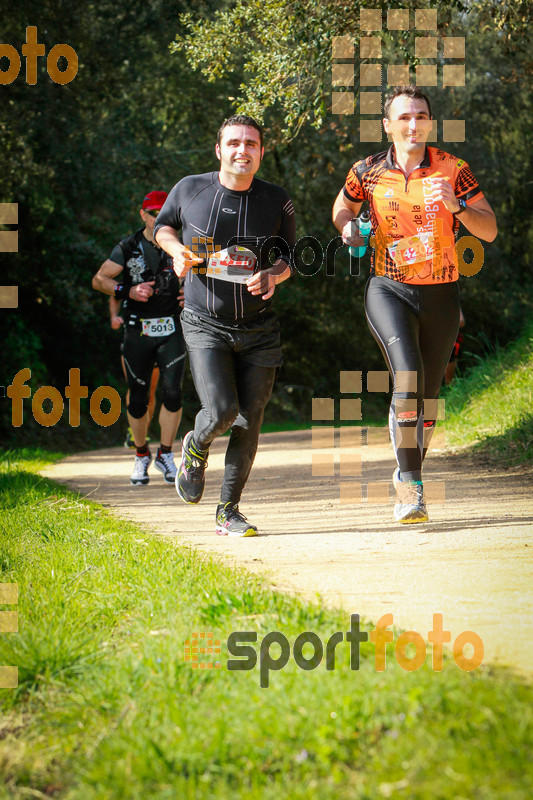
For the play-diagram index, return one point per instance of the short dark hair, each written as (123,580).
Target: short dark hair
(240,119)
(410,91)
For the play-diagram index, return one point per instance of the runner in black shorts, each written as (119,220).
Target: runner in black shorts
(230,223)
(417,195)
(117,321)
(152,335)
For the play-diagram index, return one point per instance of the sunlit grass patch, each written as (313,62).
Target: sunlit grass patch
(108,706)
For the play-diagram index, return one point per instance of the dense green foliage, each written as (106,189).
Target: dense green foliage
(78,159)
(108,707)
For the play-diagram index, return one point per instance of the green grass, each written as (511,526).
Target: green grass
(107,707)
(490,408)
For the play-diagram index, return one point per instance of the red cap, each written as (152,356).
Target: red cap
(154,200)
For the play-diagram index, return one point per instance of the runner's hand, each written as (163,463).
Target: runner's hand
(142,292)
(442,192)
(116,322)
(351,236)
(186,260)
(263,283)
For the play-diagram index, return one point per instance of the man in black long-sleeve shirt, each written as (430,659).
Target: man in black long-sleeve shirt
(237,236)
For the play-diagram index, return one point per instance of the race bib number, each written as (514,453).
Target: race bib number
(412,249)
(234,264)
(161,326)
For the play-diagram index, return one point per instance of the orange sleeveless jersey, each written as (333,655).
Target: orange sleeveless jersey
(413,237)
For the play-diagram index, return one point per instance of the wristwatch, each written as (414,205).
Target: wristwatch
(121,292)
(462,207)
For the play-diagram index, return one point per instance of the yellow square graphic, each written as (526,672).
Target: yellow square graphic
(378,435)
(435,492)
(398,74)
(342,47)
(454,47)
(435,409)
(370,75)
(431,409)
(453,130)
(398,20)
(9,241)
(406,380)
(350,464)
(342,103)
(370,102)
(9,621)
(323,408)
(350,408)
(453,75)
(426,47)
(9,213)
(428,436)
(378,492)
(370,19)
(208,646)
(426,75)
(322,465)
(377,381)
(9,593)
(342,74)
(322,436)
(351,438)
(350,492)
(370,130)
(351,382)
(406,438)
(9,677)
(432,133)
(426,19)
(370,47)
(406,406)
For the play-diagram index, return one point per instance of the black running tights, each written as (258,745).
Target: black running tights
(233,393)
(415,326)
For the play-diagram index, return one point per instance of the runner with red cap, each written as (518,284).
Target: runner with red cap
(152,335)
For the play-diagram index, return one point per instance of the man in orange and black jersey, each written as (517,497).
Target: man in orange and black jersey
(417,197)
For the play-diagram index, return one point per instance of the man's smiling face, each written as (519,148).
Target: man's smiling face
(408,123)
(240,151)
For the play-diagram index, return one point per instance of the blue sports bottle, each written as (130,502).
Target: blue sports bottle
(364,226)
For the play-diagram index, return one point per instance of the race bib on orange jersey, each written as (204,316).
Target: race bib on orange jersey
(412,249)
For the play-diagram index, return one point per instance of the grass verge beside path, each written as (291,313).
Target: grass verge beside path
(107,706)
(490,408)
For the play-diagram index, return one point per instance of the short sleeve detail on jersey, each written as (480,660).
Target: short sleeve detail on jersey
(288,208)
(362,176)
(467,187)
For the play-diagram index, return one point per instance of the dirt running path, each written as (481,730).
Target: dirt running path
(472,562)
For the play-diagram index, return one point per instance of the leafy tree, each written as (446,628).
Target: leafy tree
(78,158)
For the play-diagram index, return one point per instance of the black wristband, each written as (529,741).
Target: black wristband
(121,292)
